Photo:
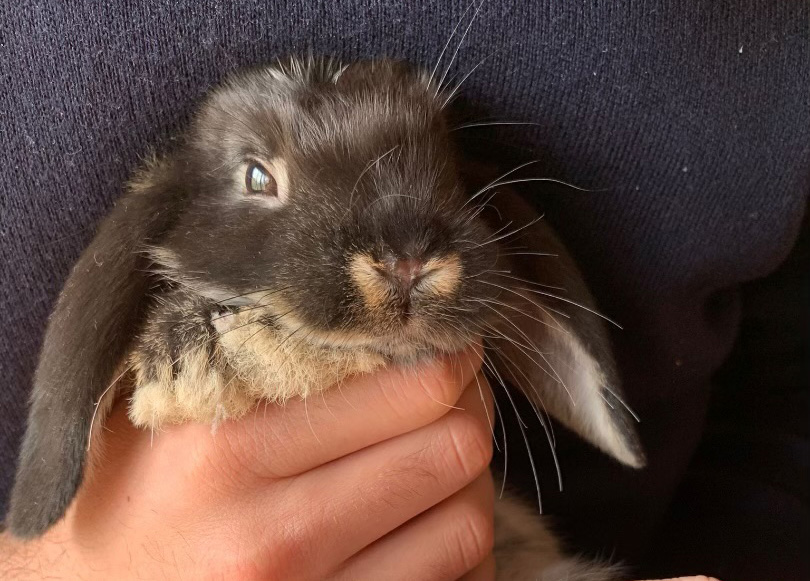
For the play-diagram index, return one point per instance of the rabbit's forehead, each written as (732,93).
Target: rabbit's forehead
(304,118)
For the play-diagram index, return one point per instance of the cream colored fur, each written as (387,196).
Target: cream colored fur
(256,362)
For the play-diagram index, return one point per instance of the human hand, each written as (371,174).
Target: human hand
(699,578)
(378,478)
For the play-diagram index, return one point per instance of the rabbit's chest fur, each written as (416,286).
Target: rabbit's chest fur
(194,362)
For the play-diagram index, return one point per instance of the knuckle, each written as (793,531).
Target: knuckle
(200,455)
(284,560)
(273,450)
(285,546)
(467,446)
(473,538)
(425,392)
(441,382)
(238,572)
(230,558)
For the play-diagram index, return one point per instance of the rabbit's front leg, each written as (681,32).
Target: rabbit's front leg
(180,373)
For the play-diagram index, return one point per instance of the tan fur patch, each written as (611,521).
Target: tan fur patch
(278,365)
(254,362)
(364,272)
(201,392)
(442,275)
(439,277)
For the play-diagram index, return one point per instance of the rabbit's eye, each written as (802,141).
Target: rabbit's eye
(259,181)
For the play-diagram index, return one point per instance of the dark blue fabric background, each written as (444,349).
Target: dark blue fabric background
(694,114)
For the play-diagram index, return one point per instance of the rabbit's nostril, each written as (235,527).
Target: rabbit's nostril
(404,271)
(393,282)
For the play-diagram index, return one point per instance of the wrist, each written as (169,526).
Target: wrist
(43,558)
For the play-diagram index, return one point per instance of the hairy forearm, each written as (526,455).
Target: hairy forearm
(35,560)
(23,561)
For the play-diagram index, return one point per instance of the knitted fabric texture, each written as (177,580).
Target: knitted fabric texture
(692,119)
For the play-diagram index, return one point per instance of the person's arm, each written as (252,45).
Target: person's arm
(388,474)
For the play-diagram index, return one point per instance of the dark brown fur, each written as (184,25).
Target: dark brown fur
(370,171)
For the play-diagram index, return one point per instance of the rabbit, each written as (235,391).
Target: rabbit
(316,220)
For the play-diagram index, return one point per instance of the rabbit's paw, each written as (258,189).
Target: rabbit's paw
(180,374)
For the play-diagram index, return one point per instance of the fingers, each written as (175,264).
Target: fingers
(449,540)
(356,500)
(486,571)
(311,521)
(700,578)
(360,498)
(281,441)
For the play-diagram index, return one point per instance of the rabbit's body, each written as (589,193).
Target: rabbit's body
(316,222)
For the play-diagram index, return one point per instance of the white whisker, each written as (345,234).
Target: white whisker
(447,45)
(544,423)
(522,429)
(461,42)
(576,304)
(100,398)
(491,123)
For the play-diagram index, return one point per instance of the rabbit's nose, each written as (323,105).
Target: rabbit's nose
(403,272)
(394,283)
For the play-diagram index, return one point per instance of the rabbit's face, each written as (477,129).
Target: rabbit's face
(327,200)
(332,197)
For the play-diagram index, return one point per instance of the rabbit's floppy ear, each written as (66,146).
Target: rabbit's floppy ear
(558,351)
(86,338)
